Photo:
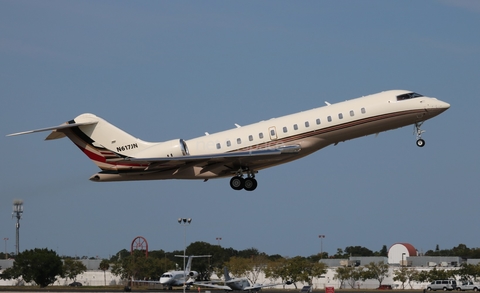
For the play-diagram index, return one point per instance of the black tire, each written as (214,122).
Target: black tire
(445,289)
(420,143)
(237,183)
(250,184)
(429,289)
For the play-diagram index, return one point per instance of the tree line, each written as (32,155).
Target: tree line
(43,266)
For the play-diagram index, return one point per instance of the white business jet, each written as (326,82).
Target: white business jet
(237,284)
(241,152)
(180,278)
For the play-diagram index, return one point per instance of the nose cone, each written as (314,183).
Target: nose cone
(443,105)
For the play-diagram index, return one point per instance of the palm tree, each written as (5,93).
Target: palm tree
(104,265)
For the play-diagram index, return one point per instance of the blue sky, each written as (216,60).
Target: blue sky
(162,70)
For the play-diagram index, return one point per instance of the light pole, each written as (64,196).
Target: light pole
(184,222)
(321,245)
(403,254)
(6,255)
(218,240)
(17,213)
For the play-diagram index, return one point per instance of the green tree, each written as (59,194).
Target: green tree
(377,271)
(136,266)
(358,251)
(356,274)
(383,251)
(300,269)
(401,275)
(104,266)
(277,269)
(239,267)
(469,272)
(435,274)
(73,268)
(420,276)
(342,274)
(38,265)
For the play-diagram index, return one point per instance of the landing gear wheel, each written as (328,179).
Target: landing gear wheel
(420,142)
(237,183)
(250,184)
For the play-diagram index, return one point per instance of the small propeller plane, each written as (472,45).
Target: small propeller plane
(237,284)
(241,152)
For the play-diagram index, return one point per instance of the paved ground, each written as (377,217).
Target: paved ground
(120,289)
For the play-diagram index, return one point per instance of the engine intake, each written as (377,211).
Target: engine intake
(171,148)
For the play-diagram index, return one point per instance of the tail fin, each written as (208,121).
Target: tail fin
(226,274)
(188,268)
(101,141)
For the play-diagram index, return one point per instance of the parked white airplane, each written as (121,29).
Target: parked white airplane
(243,151)
(180,278)
(236,284)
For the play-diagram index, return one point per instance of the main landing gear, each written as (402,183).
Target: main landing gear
(238,182)
(418,132)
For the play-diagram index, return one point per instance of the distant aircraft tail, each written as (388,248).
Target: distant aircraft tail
(107,146)
(188,267)
(226,274)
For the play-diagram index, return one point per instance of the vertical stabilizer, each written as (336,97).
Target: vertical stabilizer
(188,268)
(226,274)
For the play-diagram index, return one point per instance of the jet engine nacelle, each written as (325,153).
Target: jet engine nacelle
(171,148)
(193,274)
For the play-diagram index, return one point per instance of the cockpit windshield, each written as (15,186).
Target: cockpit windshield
(408,96)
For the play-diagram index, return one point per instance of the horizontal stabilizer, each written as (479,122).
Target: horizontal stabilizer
(59,127)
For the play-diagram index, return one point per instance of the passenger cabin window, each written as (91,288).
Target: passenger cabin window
(284,129)
(352,113)
(295,126)
(218,146)
(329,118)
(307,124)
(318,121)
(408,96)
(250,137)
(363,111)
(340,116)
(272,132)
(228,143)
(239,141)
(260,135)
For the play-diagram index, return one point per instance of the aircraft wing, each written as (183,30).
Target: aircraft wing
(209,285)
(219,163)
(257,287)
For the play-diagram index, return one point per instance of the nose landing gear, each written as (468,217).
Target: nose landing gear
(418,132)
